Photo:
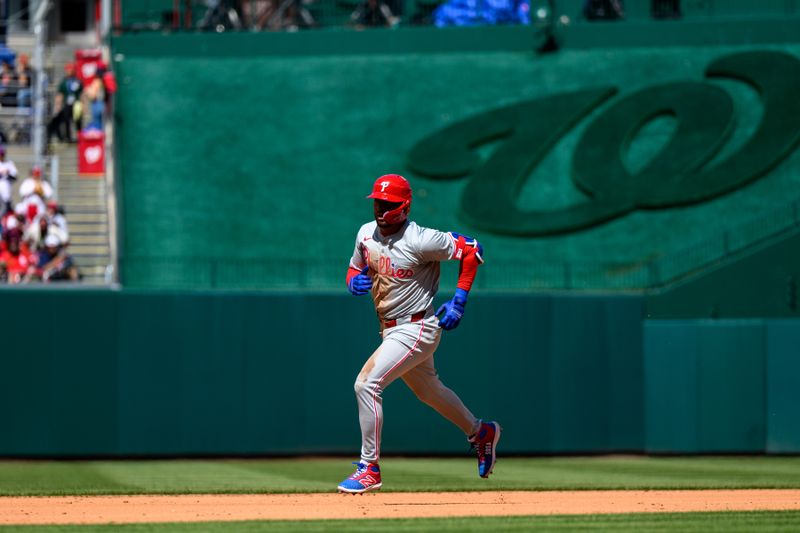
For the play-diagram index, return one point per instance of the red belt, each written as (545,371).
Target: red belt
(416,317)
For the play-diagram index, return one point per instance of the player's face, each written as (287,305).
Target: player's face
(380,207)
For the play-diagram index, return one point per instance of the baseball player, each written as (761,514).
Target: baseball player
(398,261)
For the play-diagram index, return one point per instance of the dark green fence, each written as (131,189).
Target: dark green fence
(169,373)
(129,373)
(722,386)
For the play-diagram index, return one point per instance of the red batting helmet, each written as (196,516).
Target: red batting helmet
(393,188)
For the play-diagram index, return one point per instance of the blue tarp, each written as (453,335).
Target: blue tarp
(481,12)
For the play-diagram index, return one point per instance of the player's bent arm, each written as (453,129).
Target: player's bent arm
(470,253)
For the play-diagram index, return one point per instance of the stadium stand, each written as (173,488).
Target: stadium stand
(35,235)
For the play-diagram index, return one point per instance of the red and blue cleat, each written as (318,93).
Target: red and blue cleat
(366,477)
(485,443)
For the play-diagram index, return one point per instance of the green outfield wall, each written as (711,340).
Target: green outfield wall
(761,283)
(135,373)
(243,159)
(722,386)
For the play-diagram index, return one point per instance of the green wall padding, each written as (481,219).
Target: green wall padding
(783,386)
(58,391)
(143,373)
(705,386)
(227,374)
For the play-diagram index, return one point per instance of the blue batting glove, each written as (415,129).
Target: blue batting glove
(453,310)
(360,284)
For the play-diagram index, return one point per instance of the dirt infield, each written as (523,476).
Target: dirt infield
(200,508)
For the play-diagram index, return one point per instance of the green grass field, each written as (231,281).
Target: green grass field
(403,474)
(761,522)
(39,478)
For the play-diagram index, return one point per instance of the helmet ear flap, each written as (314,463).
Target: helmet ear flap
(400,214)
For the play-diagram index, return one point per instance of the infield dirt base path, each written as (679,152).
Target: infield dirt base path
(202,508)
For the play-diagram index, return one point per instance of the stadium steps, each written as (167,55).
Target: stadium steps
(84,201)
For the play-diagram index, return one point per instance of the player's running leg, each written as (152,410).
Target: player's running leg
(403,348)
(424,381)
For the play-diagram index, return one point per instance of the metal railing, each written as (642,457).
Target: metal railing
(323,275)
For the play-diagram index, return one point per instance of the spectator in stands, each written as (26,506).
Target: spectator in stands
(256,13)
(109,85)
(53,263)
(32,206)
(16,259)
(34,233)
(57,217)
(95,94)
(8,174)
(373,13)
(23,76)
(30,184)
(67,108)
(8,221)
(8,86)
(275,14)
(37,232)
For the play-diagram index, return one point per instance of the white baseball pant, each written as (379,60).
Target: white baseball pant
(406,352)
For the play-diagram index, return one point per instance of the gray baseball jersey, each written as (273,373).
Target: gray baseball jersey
(404,267)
